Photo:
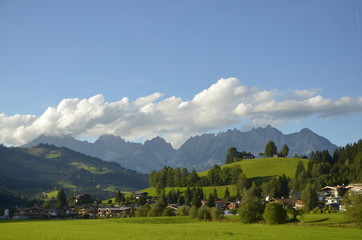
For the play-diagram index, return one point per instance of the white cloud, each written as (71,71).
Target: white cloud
(223,104)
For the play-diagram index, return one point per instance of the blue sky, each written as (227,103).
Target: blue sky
(139,69)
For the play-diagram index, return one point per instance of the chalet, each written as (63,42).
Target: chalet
(90,211)
(356,188)
(220,204)
(174,207)
(286,202)
(232,205)
(83,198)
(298,205)
(334,191)
(137,195)
(114,211)
(30,213)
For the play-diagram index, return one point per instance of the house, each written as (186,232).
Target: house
(334,191)
(298,205)
(114,211)
(83,198)
(356,187)
(90,211)
(31,213)
(220,204)
(232,205)
(174,207)
(137,195)
(286,202)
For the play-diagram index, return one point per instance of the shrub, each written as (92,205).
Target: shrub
(216,214)
(203,213)
(318,210)
(155,210)
(275,213)
(183,211)
(233,211)
(168,212)
(193,212)
(354,209)
(251,210)
(142,210)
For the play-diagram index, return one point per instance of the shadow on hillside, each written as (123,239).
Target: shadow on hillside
(319,220)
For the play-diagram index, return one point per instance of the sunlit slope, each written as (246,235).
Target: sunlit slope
(260,169)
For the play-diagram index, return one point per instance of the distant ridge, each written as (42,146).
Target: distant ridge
(198,152)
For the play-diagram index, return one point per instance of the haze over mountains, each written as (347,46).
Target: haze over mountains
(198,152)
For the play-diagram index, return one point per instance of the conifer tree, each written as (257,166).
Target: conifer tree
(61,199)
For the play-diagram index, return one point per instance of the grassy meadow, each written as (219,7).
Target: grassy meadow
(258,170)
(318,226)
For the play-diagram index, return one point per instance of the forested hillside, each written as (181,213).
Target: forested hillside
(45,167)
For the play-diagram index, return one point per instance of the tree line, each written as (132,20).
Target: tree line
(176,177)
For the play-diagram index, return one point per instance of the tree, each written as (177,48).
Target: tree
(231,154)
(275,213)
(61,199)
(270,149)
(309,198)
(235,173)
(285,150)
(227,194)
(241,184)
(119,197)
(251,210)
(214,177)
(300,168)
(353,203)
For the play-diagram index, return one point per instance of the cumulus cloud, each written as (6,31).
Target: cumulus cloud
(223,104)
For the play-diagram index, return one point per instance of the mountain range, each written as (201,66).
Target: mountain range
(198,152)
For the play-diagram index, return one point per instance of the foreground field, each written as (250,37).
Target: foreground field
(174,228)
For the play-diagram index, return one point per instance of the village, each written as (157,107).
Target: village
(330,199)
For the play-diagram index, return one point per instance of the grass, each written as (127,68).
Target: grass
(53,154)
(168,228)
(90,169)
(267,167)
(329,219)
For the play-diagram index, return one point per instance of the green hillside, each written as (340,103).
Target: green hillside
(258,170)
(46,167)
(262,169)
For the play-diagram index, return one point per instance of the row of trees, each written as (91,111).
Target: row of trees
(271,149)
(234,156)
(176,177)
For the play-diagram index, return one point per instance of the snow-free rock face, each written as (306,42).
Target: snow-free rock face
(198,152)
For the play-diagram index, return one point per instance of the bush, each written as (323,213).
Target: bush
(318,210)
(203,213)
(251,210)
(233,211)
(183,211)
(354,209)
(155,210)
(275,213)
(193,212)
(142,210)
(216,214)
(168,212)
